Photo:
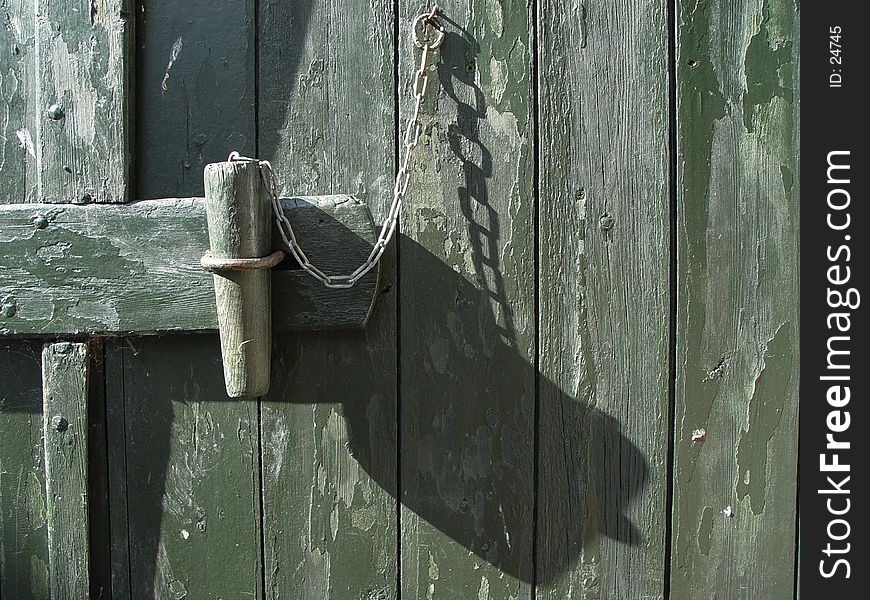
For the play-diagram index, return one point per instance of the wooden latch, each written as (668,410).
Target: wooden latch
(239,212)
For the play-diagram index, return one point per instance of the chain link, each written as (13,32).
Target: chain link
(403,176)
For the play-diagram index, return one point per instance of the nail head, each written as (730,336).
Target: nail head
(58,423)
(55,112)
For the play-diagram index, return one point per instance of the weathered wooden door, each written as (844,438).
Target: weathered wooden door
(579,377)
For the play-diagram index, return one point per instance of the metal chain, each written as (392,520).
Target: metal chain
(425,24)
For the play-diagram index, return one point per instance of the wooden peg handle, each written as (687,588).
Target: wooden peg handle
(240,227)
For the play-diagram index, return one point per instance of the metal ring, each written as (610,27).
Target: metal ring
(212,263)
(418,27)
(236,157)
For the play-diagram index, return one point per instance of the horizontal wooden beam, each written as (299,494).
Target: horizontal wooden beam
(134,268)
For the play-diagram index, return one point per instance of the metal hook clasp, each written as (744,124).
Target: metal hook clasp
(421,26)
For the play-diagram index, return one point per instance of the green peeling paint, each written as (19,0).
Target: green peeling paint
(768,72)
(765,414)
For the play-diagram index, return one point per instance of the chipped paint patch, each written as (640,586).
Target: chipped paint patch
(26,141)
(717,372)
(38,577)
(35,497)
(173,56)
(97,312)
(787,180)
(364,518)
(764,58)
(433,574)
(69,68)
(505,125)
(495,17)
(278,443)
(340,465)
(57,250)
(483,590)
(705,531)
(333,521)
(498,73)
(765,414)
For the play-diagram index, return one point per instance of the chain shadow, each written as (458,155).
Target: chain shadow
(468,392)
(467,437)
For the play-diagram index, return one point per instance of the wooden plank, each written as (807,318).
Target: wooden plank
(17,83)
(65,381)
(192,473)
(467,298)
(604,299)
(99,525)
(83,134)
(328,426)
(191,455)
(737,318)
(116,458)
(191,465)
(194,91)
(23,531)
(135,268)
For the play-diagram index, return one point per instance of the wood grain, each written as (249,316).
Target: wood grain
(23,528)
(737,300)
(467,322)
(192,475)
(17,101)
(83,135)
(116,462)
(191,455)
(65,381)
(239,215)
(194,91)
(135,267)
(604,299)
(329,424)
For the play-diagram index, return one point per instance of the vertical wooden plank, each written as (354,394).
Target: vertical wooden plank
(604,299)
(195,91)
(192,473)
(329,424)
(467,299)
(99,530)
(116,454)
(82,119)
(23,549)
(191,455)
(737,319)
(65,380)
(23,531)
(17,83)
